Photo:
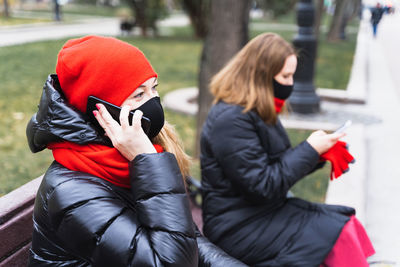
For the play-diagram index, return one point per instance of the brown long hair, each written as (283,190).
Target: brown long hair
(168,139)
(247,78)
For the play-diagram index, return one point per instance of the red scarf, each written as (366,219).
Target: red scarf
(278,104)
(99,160)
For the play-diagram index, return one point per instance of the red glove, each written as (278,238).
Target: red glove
(339,157)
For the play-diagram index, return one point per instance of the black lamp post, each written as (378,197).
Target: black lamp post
(304,99)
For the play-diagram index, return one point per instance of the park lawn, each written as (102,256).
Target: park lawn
(334,62)
(17,21)
(28,13)
(25,67)
(313,187)
(46,9)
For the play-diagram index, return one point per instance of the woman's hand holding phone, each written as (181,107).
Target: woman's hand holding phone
(322,142)
(129,140)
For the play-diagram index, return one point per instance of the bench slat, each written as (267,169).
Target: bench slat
(18,259)
(197,215)
(18,200)
(16,231)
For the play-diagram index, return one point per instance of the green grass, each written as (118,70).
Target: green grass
(313,187)
(22,73)
(94,10)
(334,63)
(16,21)
(34,13)
(77,9)
(289,18)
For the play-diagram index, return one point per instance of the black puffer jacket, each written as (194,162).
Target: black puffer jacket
(247,169)
(83,220)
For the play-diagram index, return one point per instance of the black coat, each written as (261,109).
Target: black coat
(83,220)
(376,15)
(247,168)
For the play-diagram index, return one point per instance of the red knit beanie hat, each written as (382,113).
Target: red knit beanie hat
(104,67)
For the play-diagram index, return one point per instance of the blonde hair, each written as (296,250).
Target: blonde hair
(168,139)
(247,78)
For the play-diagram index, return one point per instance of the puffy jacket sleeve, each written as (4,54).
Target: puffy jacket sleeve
(237,147)
(102,229)
(212,256)
(163,209)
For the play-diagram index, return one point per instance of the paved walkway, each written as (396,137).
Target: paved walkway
(373,184)
(18,34)
(383,141)
(12,35)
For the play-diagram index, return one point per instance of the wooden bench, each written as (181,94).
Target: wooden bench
(194,190)
(16,224)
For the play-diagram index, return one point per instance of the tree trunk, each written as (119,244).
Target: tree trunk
(107,3)
(6,9)
(319,14)
(198,11)
(139,8)
(228,33)
(351,11)
(335,29)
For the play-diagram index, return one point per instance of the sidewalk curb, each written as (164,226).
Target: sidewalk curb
(106,26)
(357,87)
(180,100)
(350,188)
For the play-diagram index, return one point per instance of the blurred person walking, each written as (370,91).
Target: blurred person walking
(376,16)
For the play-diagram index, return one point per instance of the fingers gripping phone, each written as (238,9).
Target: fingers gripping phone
(114,112)
(343,127)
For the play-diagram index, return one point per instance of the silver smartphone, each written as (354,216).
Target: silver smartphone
(343,127)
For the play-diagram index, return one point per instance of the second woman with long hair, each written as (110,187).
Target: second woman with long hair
(248,166)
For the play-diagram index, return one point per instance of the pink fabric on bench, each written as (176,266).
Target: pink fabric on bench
(352,248)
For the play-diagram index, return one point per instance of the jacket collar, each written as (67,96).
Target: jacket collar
(56,121)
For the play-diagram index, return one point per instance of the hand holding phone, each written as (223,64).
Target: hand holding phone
(114,112)
(127,136)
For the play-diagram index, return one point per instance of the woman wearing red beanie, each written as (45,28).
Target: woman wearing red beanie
(113,199)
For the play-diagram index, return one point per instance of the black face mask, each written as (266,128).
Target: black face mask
(153,110)
(282,91)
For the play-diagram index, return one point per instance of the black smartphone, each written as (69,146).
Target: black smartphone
(114,112)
